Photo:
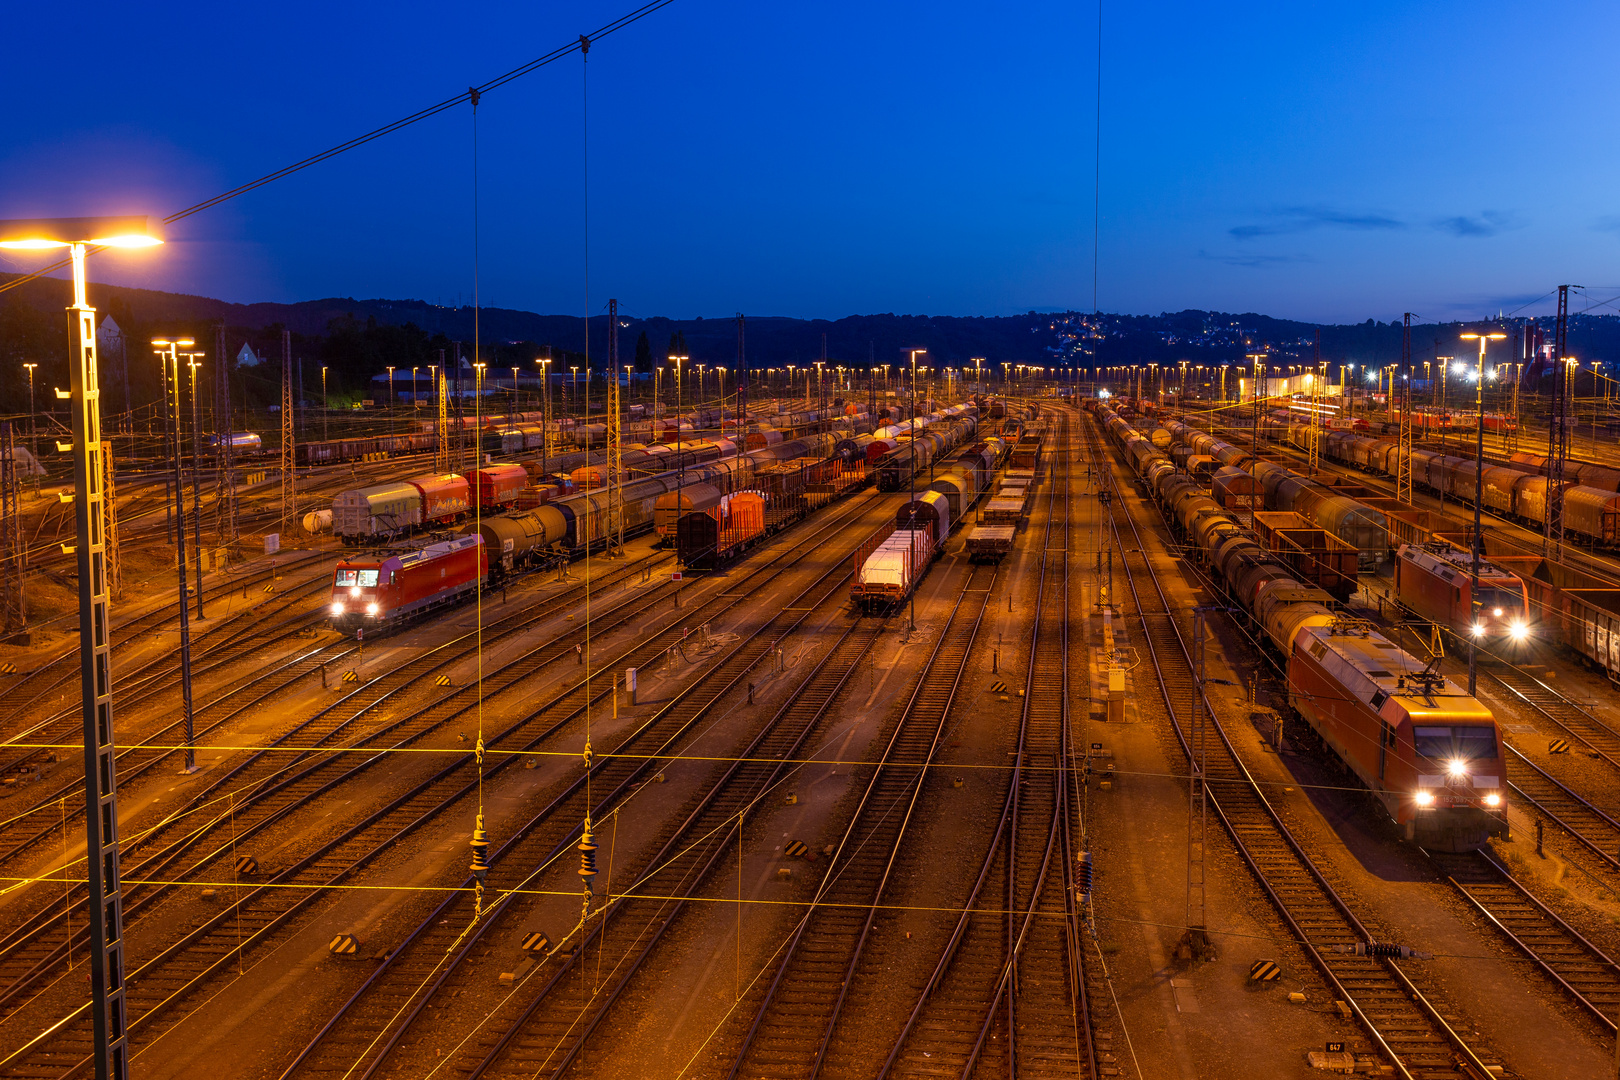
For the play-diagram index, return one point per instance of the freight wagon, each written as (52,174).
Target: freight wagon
(887,573)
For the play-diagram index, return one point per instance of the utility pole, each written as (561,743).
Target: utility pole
(1552,544)
(1403,455)
(615,431)
(196,476)
(288,457)
(742,388)
(441,456)
(15,615)
(1197,799)
(225,525)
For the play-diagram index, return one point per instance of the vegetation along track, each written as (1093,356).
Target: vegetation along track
(1407,1029)
(166,987)
(388,1018)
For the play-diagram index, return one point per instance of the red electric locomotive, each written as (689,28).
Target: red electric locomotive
(1435,581)
(1430,753)
(382,594)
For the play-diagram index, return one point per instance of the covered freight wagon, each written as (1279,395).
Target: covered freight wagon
(379,511)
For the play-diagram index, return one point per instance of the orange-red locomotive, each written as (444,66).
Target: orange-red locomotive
(383,593)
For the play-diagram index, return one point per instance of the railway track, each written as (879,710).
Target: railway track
(25,689)
(1408,1031)
(165,987)
(267,787)
(390,1017)
(792,1021)
(1558,950)
(1012,958)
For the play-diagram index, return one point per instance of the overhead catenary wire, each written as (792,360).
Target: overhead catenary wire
(536,64)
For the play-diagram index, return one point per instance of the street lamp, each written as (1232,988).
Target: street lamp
(390,401)
(105,902)
(1474,628)
(326,414)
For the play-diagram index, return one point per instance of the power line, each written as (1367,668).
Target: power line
(387,129)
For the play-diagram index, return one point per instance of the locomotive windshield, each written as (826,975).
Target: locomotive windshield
(1471,743)
(1508,601)
(365,579)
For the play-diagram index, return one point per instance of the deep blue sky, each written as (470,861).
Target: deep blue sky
(1331,162)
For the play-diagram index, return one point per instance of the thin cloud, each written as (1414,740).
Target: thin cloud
(1487,223)
(1297,219)
(1253,261)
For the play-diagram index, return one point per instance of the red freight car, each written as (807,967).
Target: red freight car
(444,497)
(381,594)
(498,487)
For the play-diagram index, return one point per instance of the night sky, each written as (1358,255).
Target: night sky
(1325,162)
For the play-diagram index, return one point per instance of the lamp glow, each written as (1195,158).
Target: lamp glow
(337,609)
(1493,799)
(1456,766)
(1423,798)
(1519,631)
(1479,629)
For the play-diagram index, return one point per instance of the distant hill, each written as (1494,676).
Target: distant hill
(357,339)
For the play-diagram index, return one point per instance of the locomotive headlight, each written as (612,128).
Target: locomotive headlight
(371,609)
(1519,631)
(1456,766)
(1479,629)
(337,609)
(355,591)
(1494,799)
(1497,612)
(1423,798)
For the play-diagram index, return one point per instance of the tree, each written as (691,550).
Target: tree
(644,360)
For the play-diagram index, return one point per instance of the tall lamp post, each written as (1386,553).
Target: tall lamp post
(169,356)
(33,431)
(193,362)
(1475,629)
(390,401)
(913,471)
(105,902)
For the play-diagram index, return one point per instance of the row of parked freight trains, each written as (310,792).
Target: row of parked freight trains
(1430,753)
(889,566)
(1516,489)
(742,498)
